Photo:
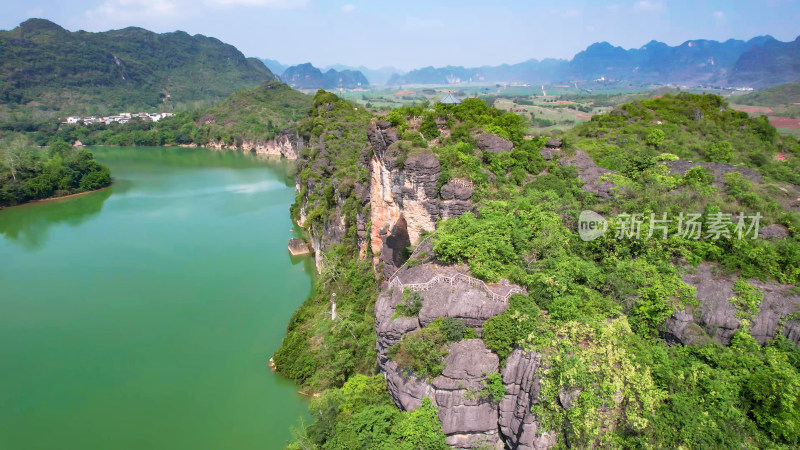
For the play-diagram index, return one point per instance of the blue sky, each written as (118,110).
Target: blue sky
(413,33)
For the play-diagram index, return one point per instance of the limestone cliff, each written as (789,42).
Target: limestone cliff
(287,144)
(468,420)
(404,202)
(715,317)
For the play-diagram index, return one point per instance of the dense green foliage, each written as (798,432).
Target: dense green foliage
(422,352)
(695,128)
(595,308)
(316,351)
(458,154)
(60,72)
(322,353)
(411,304)
(254,115)
(361,414)
(29,173)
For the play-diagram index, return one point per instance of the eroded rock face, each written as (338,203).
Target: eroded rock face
(716,169)
(775,231)
(590,174)
(403,200)
(287,144)
(493,143)
(553,143)
(459,300)
(715,316)
(518,425)
(467,419)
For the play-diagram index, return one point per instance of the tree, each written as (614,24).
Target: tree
(14,155)
(428,127)
(721,151)
(655,137)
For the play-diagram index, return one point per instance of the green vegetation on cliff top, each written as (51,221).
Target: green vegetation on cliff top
(595,309)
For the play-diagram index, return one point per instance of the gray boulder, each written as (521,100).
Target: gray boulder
(493,143)
(775,231)
(715,316)
(590,174)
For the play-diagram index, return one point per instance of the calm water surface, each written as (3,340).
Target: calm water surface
(143,316)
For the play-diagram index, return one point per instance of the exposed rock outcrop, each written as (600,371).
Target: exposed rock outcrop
(553,143)
(287,144)
(403,198)
(590,174)
(460,300)
(298,247)
(493,143)
(468,420)
(775,231)
(715,316)
(517,423)
(717,169)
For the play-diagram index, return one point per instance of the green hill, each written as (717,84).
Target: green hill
(599,312)
(692,127)
(254,114)
(57,72)
(784,94)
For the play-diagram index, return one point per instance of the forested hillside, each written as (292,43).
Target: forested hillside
(55,72)
(254,115)
(632,345)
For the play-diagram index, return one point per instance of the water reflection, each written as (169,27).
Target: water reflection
(29,225)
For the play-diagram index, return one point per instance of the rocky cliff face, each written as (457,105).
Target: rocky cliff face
(518,425)
(287,144)
(715,316)
(403,198)
(468,420)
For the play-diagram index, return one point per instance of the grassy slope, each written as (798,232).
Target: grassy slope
(784,94)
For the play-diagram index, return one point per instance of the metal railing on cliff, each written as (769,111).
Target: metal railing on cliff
(395,282)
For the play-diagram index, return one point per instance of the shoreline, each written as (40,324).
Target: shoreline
(204,147)
(52,199)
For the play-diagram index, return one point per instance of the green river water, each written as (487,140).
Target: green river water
(143,316)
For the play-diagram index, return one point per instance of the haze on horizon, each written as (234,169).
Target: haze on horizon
(415,34)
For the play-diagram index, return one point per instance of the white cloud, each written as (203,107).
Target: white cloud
(272,4)
(349,8)
(117,11)
(719,16)
(649,5)
(572,13)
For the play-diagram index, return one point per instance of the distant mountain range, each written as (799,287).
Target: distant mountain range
(760,62)
(274,66)
(377,76)
(306,76)
(80,72)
